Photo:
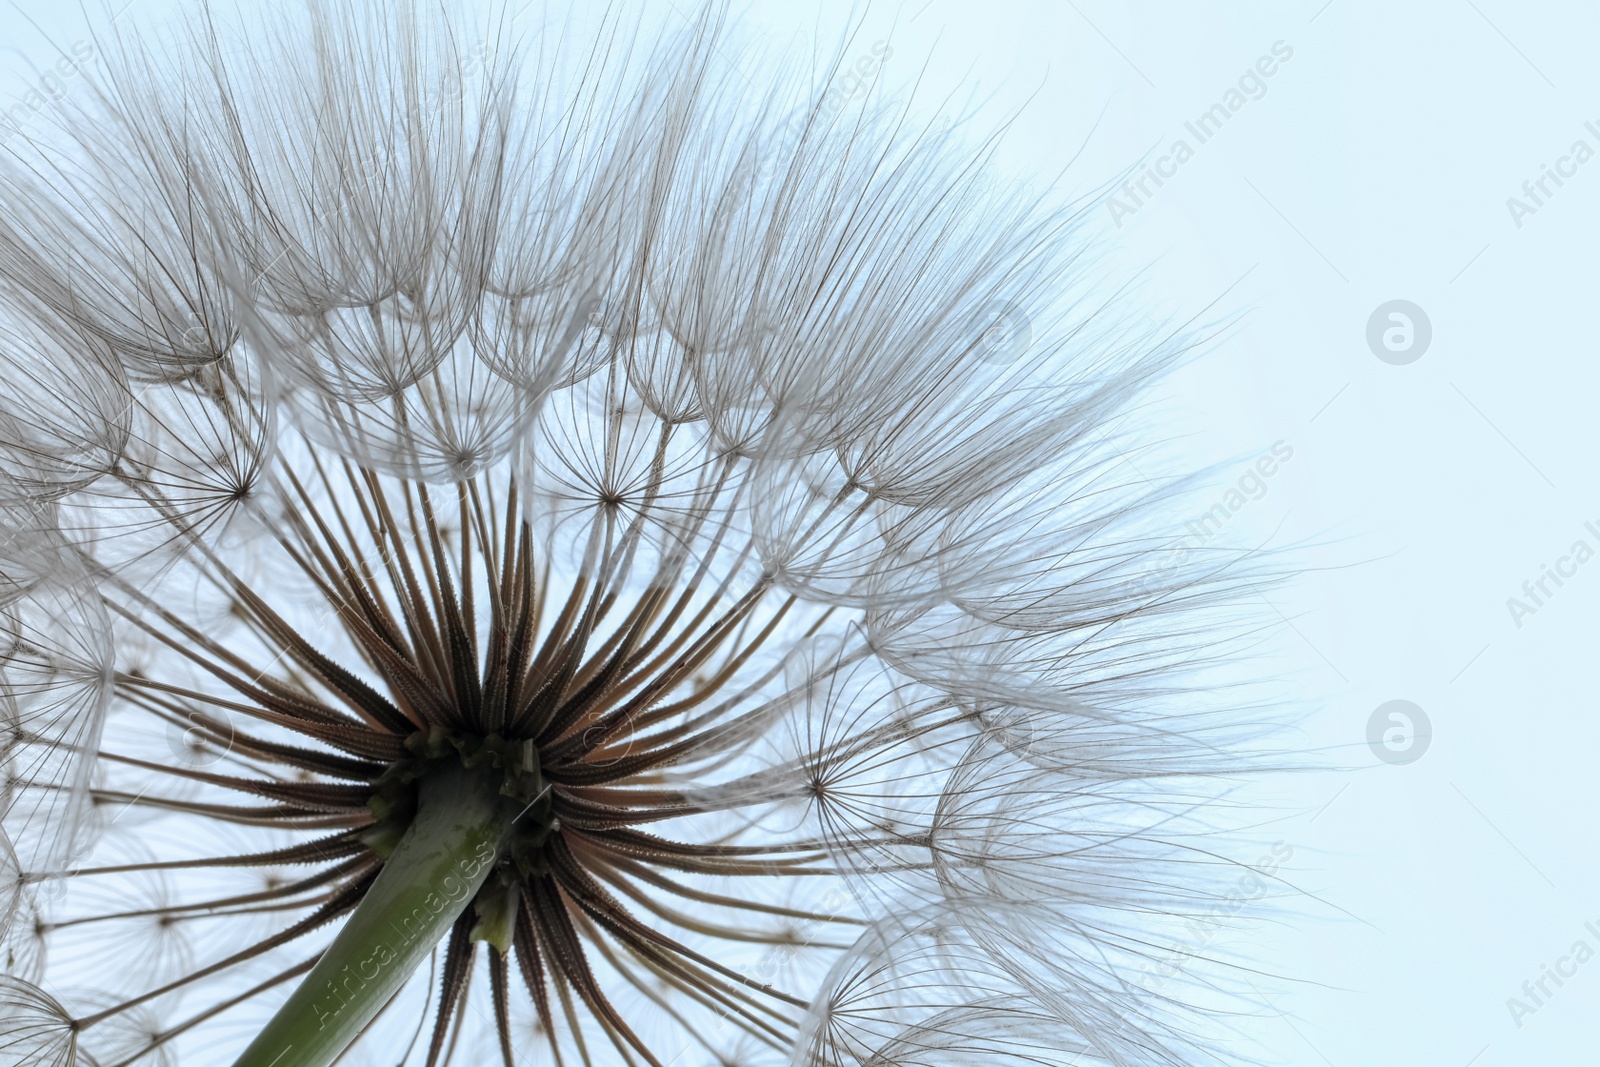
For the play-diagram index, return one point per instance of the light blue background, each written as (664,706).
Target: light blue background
(1376,166)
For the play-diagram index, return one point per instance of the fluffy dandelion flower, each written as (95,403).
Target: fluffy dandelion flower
(544,556)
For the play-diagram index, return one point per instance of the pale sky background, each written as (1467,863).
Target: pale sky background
(1375,166)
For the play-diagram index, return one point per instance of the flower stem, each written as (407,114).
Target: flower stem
(424,886)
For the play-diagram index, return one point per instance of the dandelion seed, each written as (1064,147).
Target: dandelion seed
(530,554)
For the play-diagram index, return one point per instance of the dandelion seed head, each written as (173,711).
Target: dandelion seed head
(403,404)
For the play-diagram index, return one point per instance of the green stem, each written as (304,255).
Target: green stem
(424,886)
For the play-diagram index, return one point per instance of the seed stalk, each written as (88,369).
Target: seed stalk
(432,876)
